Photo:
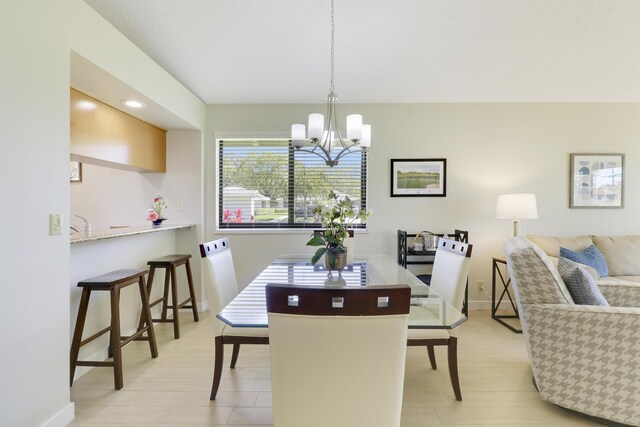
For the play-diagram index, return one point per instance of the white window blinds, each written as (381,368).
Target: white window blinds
(268,184)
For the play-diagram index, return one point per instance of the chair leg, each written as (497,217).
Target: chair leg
(165,294)
(77,333)
(432,356)
(217,366)
(152,271)
(453,367)
(146,313)
(116,344)
(234,355)
(174,303)
(192,292)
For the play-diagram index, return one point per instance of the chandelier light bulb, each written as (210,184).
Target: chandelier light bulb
(365,142)
(316,126)
(297,135)
(354,127)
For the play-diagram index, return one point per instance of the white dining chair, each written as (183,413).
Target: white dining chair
(448,281)
(220,277)
(337,354)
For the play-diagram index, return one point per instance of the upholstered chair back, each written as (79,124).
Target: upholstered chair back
(337,355)
(534,277)
(450,271)
(218,274)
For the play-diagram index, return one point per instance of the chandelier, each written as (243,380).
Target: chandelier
(324,136)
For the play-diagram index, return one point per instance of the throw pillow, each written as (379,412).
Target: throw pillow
(583,289)
(590,256)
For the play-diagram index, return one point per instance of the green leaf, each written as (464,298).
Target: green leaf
(316,241)
(317,255)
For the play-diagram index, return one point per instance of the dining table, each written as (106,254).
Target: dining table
(427,311)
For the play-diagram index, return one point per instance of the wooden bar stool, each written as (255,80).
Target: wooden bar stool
(112,282)
(169,263)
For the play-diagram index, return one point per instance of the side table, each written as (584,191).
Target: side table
(500,272)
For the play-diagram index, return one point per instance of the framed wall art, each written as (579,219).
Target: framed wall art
(597,181)
(75,171)
(418,177)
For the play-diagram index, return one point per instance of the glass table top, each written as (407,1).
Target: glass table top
(428,311)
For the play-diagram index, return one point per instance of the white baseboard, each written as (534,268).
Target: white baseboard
(479,305)
(62,417)
(203,305)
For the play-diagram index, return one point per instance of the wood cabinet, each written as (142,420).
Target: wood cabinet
(105,136)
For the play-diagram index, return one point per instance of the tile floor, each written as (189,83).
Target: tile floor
(173,390)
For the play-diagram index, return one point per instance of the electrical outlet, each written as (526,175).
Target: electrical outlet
(481,285)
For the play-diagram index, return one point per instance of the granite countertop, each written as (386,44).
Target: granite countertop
(114,232)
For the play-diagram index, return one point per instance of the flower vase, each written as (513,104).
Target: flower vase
(158,222)
(335,260)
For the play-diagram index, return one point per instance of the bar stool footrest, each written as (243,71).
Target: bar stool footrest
(94,336)
(151,304)
(96,363)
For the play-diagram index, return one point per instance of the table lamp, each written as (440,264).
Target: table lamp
(516,207)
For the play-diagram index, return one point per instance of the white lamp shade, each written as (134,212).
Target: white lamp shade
(316,126)
(517,206)
(365,142)
(297,135)
(354,127)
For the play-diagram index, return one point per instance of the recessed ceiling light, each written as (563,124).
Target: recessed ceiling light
(133,103)
(86,105)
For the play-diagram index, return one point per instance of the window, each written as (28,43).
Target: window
(268,184)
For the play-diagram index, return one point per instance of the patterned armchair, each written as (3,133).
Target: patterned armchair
(584,358)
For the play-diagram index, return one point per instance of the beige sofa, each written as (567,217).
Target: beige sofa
(583,357)
(621,287)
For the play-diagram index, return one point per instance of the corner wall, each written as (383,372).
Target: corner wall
(490,149)
(34,166)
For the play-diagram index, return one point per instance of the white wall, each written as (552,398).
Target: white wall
(34,162)
(490,149)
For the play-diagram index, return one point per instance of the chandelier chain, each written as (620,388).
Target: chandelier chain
(333,27)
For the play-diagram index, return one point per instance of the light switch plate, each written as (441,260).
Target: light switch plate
(55,224)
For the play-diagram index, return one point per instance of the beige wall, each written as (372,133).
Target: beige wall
(490,149)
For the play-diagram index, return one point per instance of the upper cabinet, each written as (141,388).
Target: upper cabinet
(105,136)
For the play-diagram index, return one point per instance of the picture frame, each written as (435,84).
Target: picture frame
(75,171)
(596,181)
(418,177)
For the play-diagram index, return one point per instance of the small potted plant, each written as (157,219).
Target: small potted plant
(155,213)
(336,218)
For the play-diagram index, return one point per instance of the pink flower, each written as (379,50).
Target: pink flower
(152,215)
(155,200)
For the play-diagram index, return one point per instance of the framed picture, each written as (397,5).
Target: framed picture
(418,177)
(75,171)
(597,181)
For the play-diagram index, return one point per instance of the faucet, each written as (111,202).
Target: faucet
(87,226)
(74,228)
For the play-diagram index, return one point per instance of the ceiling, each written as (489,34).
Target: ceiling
(388,51)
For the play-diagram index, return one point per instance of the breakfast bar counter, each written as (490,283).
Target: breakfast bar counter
(123,231)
